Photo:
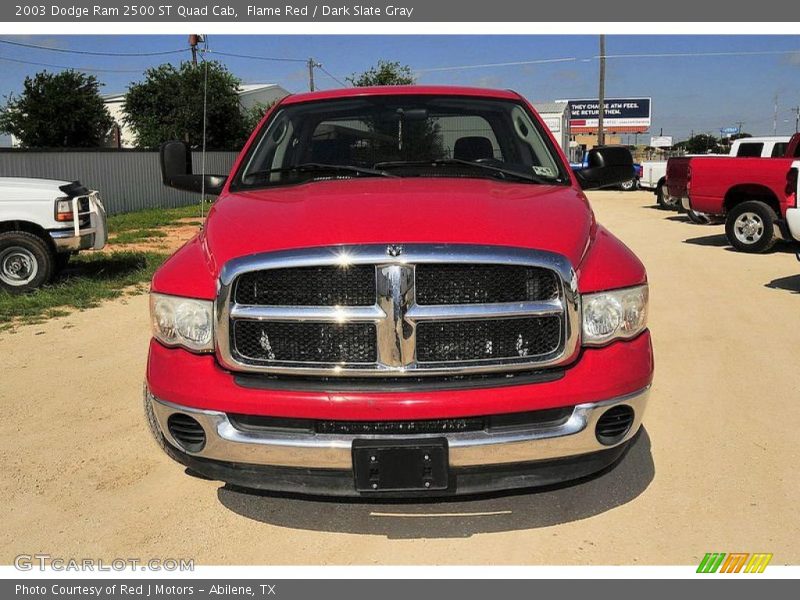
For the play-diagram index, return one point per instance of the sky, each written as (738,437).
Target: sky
(710,82)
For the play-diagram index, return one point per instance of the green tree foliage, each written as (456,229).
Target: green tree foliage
(57,110)
(252,116)
(384,73)
(700,144)
(168,105)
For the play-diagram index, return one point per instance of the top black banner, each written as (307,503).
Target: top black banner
(462,11)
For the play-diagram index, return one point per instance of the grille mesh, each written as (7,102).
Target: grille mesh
(305,342)
(308,286)
(452,341)
(482,284)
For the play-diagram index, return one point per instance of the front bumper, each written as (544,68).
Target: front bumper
(322,463)
(90,237)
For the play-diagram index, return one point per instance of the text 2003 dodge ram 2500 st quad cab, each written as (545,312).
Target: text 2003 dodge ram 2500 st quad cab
(400,291)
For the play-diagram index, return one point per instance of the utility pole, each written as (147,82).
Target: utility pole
(741,125)
(601,108)
(312,64)
(194,40)
(796,111)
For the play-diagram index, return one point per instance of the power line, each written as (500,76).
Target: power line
(90,52)
(85,69)
(505,64)
(252,57)
(695,54)
(324,70)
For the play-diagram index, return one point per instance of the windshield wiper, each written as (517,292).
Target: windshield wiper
(314,167)
(467,163)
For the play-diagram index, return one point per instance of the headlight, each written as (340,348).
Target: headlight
(183,322)
(616,314)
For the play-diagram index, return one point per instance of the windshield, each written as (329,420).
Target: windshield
(401,136)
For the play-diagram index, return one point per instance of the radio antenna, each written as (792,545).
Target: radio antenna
(205,116)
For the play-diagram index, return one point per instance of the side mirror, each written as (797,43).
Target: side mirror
(176,171)
(607,166)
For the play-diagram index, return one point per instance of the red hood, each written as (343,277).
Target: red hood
(392,211)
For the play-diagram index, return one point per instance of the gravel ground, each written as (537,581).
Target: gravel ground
(714,469)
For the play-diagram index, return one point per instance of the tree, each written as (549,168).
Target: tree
(384,73)
(252,116)
(700,144)
(57,110)
(168,105)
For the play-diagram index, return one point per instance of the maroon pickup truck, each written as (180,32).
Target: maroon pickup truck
(748,194)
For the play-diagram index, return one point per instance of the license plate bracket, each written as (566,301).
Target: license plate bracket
(410,465)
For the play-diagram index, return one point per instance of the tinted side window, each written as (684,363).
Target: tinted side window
(750,150)
(779,150)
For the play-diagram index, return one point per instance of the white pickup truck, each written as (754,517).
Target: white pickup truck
(42,223)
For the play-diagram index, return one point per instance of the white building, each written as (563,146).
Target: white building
(250,94)
(556,116)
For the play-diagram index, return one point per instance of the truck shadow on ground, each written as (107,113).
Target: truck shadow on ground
(455,518)
(789,284)
(104,267)
(719,240)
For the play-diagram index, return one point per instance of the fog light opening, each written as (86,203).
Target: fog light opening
(187,432)
(614,424)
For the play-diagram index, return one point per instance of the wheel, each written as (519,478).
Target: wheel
(662,199)
(697,218)
(627,186)
(750,227)
(26,261)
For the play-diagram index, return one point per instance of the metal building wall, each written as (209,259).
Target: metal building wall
(127,180)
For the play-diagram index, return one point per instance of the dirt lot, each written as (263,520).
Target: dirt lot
(716,469)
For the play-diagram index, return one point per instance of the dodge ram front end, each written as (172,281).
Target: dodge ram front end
(400,291)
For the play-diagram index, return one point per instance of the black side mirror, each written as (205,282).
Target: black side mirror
(176,171)
(607,166)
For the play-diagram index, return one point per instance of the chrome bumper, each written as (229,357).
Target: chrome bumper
(224,442)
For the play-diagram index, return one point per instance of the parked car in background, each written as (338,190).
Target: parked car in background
(752,195)
(400,291)
(677,177)
(42,223)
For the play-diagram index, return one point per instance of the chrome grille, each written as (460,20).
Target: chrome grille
(305,342)
(483,284)
(487,339)
(308,286)
(395,311)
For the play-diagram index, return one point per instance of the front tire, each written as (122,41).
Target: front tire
(662,200)
(750,227)
(26,262)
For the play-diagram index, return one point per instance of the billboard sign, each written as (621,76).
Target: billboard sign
(627,114)
(661,141)
(729,131)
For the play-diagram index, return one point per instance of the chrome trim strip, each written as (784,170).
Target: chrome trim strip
(460,312)
(396,312)
(332,314)
(308,450)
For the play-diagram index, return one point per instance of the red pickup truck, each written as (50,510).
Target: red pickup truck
(400,291)
(750,194)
